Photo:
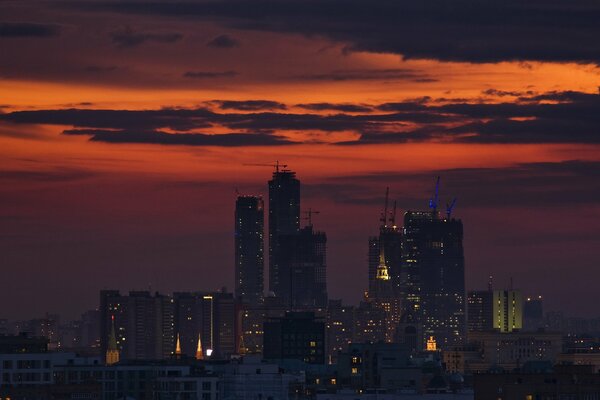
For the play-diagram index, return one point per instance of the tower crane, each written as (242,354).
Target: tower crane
(275,165)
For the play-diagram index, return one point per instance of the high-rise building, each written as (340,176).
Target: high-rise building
(340,328)
(209,317)
(434,280)
(298,335)
(143,324)
(385,296)
(303,267)
(391,239)
(249,249)
(507,310)
(533,313)
(284,219)
(480,310)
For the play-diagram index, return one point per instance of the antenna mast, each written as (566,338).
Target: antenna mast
(384,215)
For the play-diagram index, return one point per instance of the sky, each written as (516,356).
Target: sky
(126,128)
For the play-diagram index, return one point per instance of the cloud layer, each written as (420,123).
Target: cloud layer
(553,117)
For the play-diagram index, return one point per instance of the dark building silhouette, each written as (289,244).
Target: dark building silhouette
(433,263)
(533,313)
(249,249)
(371,322)
(303,269)
(284,219)
(480,310)
(208,316)
(22,343)
(298,335)
(143,324)
(340,328)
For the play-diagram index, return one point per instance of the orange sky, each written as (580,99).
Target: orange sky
(73,206)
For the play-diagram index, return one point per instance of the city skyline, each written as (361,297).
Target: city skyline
(127,130)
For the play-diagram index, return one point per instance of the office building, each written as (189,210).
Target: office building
(298,335)
(143,324)
(339,328)
(284,219)
(480,310)
(511,350)
(303,267)
(507,310)
(533,313)
(433,261)
(249,249)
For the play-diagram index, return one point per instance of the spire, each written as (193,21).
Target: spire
(178,347)
(241,346)
(112,339)
(382,269)
(112,351)
(199,352)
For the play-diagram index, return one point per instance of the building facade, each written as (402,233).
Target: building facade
(249,249)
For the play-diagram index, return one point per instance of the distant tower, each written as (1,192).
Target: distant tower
(112,353)
(199,352)
(384,297)
(249,249)
(284,219)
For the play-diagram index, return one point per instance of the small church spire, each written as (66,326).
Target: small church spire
(112,351)
(199,352)
(178,347)
(241,346)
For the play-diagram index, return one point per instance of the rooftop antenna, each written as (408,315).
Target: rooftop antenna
(450,207)
(433,202)
(385,209)
(393,217)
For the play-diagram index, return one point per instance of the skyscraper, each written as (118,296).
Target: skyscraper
(433,264)
(284,219)
(303,269)
(249,249)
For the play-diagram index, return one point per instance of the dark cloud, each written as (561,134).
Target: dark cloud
(42,176)
(100,69)
(367,74)
(345,107)
(250,105)
(188,139)
(544,184)
(126,37)
(462,30)
(209,74)
(554,117)
(223,42)
(28,29)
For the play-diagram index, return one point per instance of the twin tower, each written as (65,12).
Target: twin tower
(297,255)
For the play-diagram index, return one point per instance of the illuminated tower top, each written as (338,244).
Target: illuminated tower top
(199,352)
(178,347)
(382,269)
(112,352)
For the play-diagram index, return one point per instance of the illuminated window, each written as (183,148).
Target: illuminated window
(354,371)
(313,344)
